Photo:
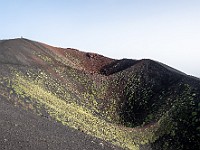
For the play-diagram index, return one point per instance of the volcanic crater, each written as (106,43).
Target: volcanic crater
(57,98)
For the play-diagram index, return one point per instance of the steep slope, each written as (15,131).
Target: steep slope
(134,104)
(152,93)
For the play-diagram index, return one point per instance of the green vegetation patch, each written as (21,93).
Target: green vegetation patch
(72,115)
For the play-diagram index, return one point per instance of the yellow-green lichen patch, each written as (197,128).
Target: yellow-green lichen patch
(72,115)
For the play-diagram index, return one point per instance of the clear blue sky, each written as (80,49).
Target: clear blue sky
(163,30)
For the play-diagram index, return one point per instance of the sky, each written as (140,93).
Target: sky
(164,30)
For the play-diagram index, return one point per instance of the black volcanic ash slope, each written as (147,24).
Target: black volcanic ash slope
(134,104)
(26,131)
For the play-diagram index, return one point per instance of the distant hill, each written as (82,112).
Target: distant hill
(56,98)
